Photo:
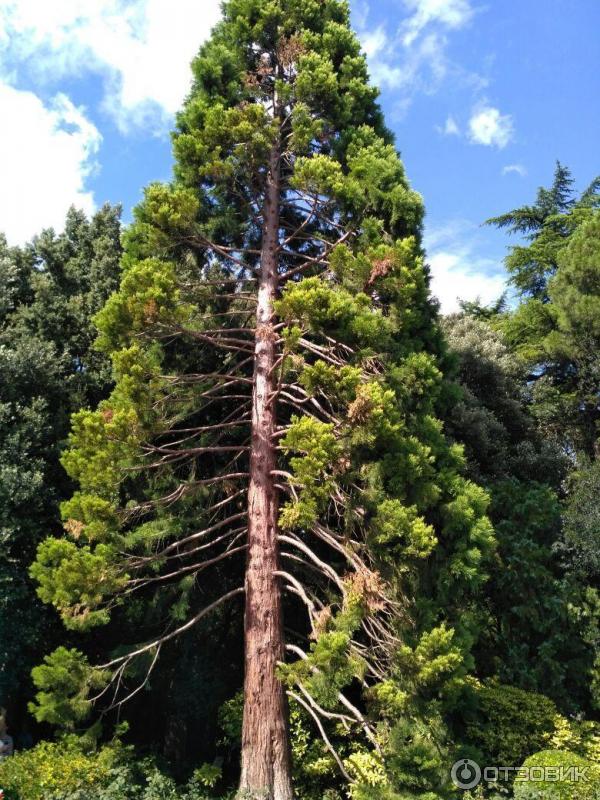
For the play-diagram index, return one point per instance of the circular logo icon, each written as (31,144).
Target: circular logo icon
(466,774)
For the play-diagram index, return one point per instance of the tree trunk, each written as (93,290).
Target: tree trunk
(266,769)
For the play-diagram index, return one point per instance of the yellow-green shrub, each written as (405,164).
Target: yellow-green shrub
(566,789)
(56,768)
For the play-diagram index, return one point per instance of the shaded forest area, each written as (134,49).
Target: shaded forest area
(271,526)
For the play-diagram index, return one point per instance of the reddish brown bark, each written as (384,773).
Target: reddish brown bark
(266,770)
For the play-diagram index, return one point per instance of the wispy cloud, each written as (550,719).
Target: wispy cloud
(489,127)
(450,128)
(517,169)
(452,14)
(141,48)
(414,58)
(458,270)
(420,67)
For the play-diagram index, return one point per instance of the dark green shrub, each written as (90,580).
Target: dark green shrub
(510,724)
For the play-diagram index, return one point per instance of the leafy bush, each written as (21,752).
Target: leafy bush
(55,768)
(510,724)
(561,785)
(67,770)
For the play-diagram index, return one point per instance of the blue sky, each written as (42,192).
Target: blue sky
(483,98)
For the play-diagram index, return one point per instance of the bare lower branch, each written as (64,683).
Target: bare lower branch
(168,637)
(141,686)
(195,536)
(196,569)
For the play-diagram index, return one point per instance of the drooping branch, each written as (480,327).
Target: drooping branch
(225,252)
(296,587)
(331,715)
(320,260)
(319,725)
(325,569)
(343,700)
(139,688)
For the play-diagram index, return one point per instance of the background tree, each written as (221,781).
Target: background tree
(275,352)
(493,413)
(50,290)
(563,377)
(531,638)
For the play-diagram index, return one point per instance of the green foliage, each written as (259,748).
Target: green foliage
(100,469)
(553,330)
(69,769)
(81,579)
(585,611)
(341,383)
(57,769)
(530,636)
(51,290)
(323,308)
(577,736)
(148,297)
(493,414)
(435,663)
(536,642)
(397,528)
(320,450)
(582,521)
(561,781)
(553,333)
(416,757)
(331,663)
(64,682)
(547,224)
(510,724)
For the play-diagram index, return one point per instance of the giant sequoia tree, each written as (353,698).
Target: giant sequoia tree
(272,433)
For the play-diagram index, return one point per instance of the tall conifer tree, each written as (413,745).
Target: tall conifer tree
(563,371)
(275,351)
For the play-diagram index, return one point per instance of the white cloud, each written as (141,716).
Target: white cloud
(420,67)
(450,128)
(458,271)
(517,169)
(451,14)
(46,153)
(489,127)
(414,58)
(373,42)
(142,48)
